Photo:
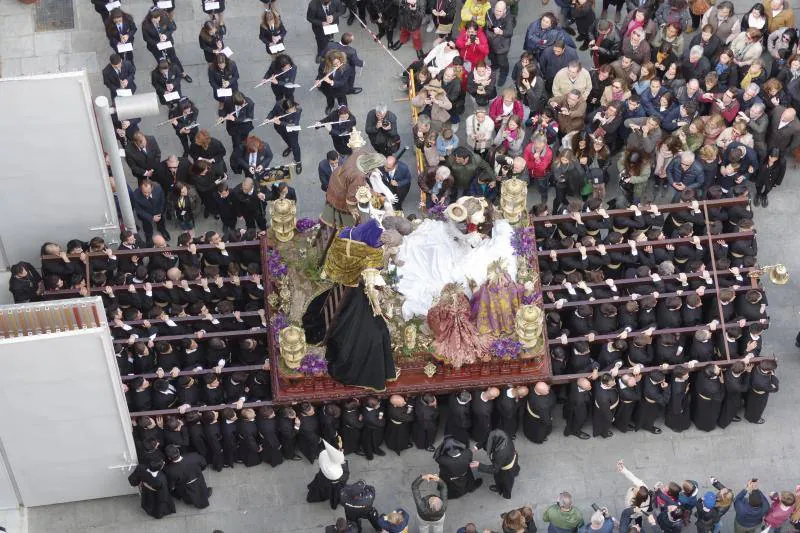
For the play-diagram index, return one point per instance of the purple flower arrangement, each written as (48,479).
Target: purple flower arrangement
(506,348)
(276,324)
(531,299)
(313,365)
(277,268)
(305,224)
(524,242)
(437,212)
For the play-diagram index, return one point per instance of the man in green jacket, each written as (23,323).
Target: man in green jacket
(562,516)
(466,166)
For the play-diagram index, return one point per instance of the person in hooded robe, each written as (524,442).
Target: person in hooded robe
(332,476)
(426,422)
(400,415)
(455,467)
(504,464)
(153,488)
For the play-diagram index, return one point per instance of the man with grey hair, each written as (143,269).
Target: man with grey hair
(381,128)
(695,65)
(431,508)
(689,93)
(749,97)
(757,124)
(562,516)
(599,523)
(684,173)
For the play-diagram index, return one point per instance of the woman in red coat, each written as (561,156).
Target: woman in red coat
(472,44)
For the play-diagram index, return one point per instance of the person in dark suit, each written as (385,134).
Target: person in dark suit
(339,123)
(783,134)
(183,118)
(143,155)
(249,203)
(327,166)
(149,203)
(252,157)
(321,13)
(281,72)
(290,111)
(282,190)
(345,46)
(170,171)
(381,128)
(158,27)
(334,79)
(119,74)
(223,74)
(120,29)
(166,78)
(397,177)
(25,283)
(237,112)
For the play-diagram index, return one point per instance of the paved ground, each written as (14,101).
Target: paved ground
(265,500)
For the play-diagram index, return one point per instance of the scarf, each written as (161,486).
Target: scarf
(721,69)
(632,25)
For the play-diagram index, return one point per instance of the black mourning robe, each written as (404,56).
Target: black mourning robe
(678,416)
(328,427)
(359,348)
(654,399)
(707,401)
(230,442)
(288,437)
(179,438)
(249,448)
(216,452)
(482,412)
(537,422)
(270,444)
(154,491)
(506,413)
(628,401)
(322,489)
(426,422)
(350,427)
(735,387)
(505,462)
(576,409)
(761,386)
(605,403)
(398,427)
(308,437)
(459,419)
(454,457)
(186,480)
(372,433)
(197,438)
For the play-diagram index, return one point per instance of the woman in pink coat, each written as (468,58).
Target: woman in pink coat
(472,44)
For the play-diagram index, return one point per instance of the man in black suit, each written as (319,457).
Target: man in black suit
(321,13)
(397,177)
(149,203)
(237,112)
(327,166)
(249,203)
(166,78)
(282,190)
(25,283)
(118,76)
(143,155)
(783,134)
(345,46)
(172,170)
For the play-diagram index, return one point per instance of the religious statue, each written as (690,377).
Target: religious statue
(292,346)
(456,338)
(353,250)
(528,327)
(471,211)
(495,303)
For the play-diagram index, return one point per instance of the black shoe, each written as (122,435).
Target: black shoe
(478,482)
(361,453)
(494,488)
(167,236)
(356,90)
(655,430)
(584,46)
(210,492)
(757,200)
(760,421)
(296,458)
(582,435)
(187,78)
(381,33)
(736,418)
(570,31)
(608,434)
(379,452)
(206,212)
(286,152)
(351,19)
(396,45)
(298,168)
(420,54)
(328,110)
(764,201)
(430,449)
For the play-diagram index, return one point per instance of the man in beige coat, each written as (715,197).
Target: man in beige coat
(570,110)
(573,76)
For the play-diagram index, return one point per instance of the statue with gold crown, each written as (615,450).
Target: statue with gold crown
(495,303)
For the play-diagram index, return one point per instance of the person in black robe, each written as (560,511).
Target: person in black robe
(455,467)
(606,400)
(763,382)
(185,476)
(400,414)
(213,433)
(351,425)
(359,347)
(332,476)
(374,425)
(655,395)
(426,422)
(630,392)
(175,432)
(504,462)
(576,409)
(737,381)
(247,432)
(537,422)
(308,434)
(678,416)
(288,426)
(507,407)
(268,432)
(482,409)
(459,416)
(197,437)
(707,400)
(153,489)
(357,499)
(329,420)
(230,440)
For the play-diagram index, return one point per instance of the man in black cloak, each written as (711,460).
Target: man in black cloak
(630,392)
(537,422)
(655,396)
(707,400)
(737,381)
(459,416)
(426,422)
(400,414)
(576,409)
(606,400)
(763,382)
(482,410)
(504,462)
(153,488)
(507,407)
(374,426)
(455,467)
(185,476)
(351,424)
(332,476)
(267,424)
(678,414)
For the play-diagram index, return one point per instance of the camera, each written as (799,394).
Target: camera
(473,38)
